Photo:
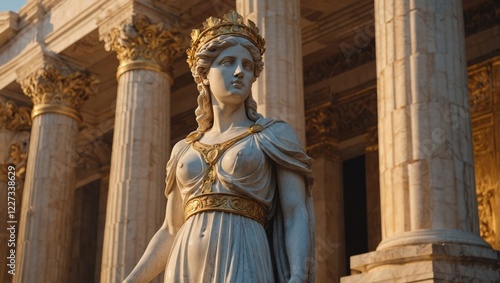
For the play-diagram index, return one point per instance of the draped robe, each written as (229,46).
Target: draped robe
(217,246)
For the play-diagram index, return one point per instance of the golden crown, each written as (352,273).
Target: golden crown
(231,24)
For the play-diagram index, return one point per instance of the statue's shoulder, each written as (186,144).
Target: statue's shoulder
(179,147)
(278,128)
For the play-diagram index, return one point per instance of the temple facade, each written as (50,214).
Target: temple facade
(397,101)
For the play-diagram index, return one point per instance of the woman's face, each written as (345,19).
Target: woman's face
(231,75)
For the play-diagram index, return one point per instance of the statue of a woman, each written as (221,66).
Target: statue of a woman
(239,207)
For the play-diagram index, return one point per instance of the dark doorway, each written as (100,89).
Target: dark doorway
(355,219)
(84,233)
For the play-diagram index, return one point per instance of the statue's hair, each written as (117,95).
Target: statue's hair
(204,58)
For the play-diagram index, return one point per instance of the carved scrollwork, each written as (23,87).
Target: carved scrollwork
(486,211)
(486,182)
(357,115)
(228,203)
(14,118)
(92,157)
(336,121)
(481,144)
(17,156)
(59,89)
(479,84)
(154,46)
(321,123)
(325,148)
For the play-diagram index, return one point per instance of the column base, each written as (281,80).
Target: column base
(427,263)
(426,236)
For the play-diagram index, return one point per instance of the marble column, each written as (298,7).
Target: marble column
(428,199)
(372,189)
(135,208)
(279,91)
(44,239)
(103,200)
(329,211)
(13,119)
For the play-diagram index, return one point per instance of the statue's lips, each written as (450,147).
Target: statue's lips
(237,84)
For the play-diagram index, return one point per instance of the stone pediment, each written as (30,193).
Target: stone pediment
(8,26)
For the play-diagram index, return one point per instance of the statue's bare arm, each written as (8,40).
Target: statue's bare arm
(292,190)
(154,259)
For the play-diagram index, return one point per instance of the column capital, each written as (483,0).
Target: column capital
(141,44)
(14,118)
(57,88)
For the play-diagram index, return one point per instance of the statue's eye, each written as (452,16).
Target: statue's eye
(226,62)
(248,66)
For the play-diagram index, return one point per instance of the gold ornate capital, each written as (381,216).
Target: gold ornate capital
(14,118)
(139,44)
(58,89)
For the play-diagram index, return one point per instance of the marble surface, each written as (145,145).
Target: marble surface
(430,228)
(329,207)
(45,232)
(280,92)
(426,167)
(427,263)
(137,177)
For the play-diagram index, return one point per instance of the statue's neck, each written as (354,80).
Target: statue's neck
(228,117)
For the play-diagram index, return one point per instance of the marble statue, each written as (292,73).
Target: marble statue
(239,205)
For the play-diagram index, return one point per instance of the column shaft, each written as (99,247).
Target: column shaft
(428,198)
(135,208)
(279,90)
(372,190)
(136,203)
(44,239)
(47,204)
(426,161)
(101,222)
(329,209)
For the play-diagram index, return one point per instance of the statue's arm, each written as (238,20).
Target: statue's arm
(154,259)
(292,192)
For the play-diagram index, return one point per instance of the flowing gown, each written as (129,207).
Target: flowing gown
(214,246)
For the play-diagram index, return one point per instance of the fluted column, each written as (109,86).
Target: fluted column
(426,165)
(279,91)
(428,199)
(44,236)
(14,121)
(101,220)
(329,211)
(136,202)
(372,189)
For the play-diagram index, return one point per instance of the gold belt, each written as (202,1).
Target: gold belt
(227,203)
